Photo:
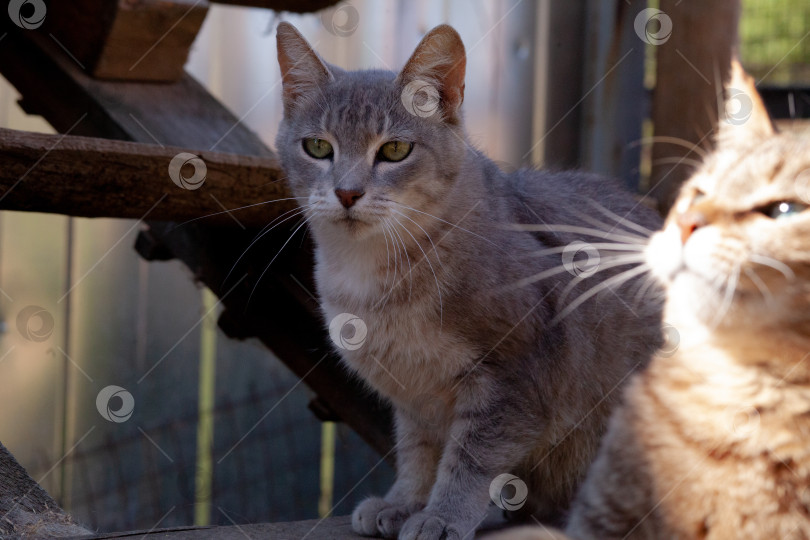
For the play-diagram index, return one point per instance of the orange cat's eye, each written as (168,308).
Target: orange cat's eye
(783,209)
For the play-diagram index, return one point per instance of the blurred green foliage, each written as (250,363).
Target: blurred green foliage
(775,41)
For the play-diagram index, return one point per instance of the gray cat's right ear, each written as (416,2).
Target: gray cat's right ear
(433,78)
(302,70)
(744,118)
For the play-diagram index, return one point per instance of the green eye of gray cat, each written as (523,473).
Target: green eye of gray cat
(784,209)
(318,148)
(394,151)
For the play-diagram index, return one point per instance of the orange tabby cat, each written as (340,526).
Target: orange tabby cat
(714,440)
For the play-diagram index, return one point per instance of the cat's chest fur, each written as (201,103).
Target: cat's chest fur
(408,349)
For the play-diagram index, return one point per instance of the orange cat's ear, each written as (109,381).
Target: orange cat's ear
(744,118)
(433,79)
(302,70)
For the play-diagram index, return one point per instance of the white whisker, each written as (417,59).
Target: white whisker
(236,209)
(574,229)
(430,265)
(731,288)
(757,281)
(600,246)
(621,220)
(266,230)
(776,265)
(618,279)
(266,268)
(426,234)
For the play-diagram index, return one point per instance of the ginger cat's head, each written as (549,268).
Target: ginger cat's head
(735,251)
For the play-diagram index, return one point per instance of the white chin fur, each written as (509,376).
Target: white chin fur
(664,254)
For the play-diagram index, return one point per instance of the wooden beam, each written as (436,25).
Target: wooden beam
(147,40)
(691,67)
(294,6)
(88,177)
(280,312)
(26,510)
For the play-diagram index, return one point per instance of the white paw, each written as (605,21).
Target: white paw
(364,517)
(391,519)
(377,517)
(424,526)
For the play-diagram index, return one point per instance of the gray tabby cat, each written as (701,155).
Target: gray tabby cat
(420,252)
(711,440)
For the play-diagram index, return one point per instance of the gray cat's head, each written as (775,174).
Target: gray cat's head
(358,145)
(735,251)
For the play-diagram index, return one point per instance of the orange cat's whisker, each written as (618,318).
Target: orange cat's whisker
(616,280)
(692,147)
(779,266)
(621,220)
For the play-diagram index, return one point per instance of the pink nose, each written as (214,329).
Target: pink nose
(689,222)
(348,197)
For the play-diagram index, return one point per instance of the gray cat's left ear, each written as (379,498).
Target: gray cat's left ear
(745,118)
(302,70)
(433,78)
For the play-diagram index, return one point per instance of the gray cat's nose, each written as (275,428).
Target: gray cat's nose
(348,197)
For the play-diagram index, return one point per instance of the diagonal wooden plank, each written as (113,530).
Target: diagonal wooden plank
(280,311)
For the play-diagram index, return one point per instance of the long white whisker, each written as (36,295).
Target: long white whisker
(731,288)
(604,264)
(408,259)
(455,226)
(776,265)
(622,220)
(672,140)
(266,268)
(426,234)
(387,260)
(430,265)
(236,209)
(615,280)
(757,281)
(266,230)
(599,246)
(559,269)
(574,229)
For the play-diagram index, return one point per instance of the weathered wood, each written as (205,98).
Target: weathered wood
(280,312)
(26,510)
(88,177)
(142,40)
(691,66)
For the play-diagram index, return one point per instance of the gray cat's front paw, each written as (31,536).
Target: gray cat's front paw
(425,526)
(364,517)
(377,517)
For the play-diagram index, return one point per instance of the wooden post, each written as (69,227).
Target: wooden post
(691,66)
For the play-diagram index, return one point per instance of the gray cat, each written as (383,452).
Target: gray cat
(498,360)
